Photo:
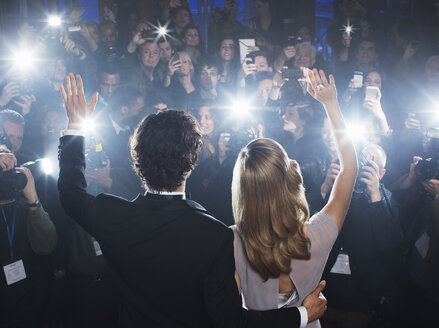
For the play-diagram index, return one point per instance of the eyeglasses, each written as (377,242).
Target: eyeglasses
(211,74)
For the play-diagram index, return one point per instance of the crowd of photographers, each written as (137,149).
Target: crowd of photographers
(383,269)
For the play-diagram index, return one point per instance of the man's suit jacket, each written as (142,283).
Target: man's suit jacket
(173,262)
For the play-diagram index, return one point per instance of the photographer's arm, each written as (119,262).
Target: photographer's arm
(341,193)
(40,229)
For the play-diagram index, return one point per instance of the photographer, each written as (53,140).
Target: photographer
(25,230)
(363,262)
(418,193)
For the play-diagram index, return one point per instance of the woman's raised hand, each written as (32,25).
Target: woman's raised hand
(319,87)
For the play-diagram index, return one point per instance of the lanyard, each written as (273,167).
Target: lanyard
(10,234)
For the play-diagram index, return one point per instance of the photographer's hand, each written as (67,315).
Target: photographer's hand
(7,161)
(101,177)
(10,91)
(332,173)
(248,67)
(77,108)
(411,123)
(29,192)
(25,106)
(432,187)
(371,177)
(223,143)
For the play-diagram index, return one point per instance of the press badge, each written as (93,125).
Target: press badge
(341,266)
(422,244)
(98,250)
(14,272)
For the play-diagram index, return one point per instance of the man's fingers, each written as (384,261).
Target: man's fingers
(94,101)
(331,79)
(80,85)
(319,288)
(73,85)
(68,88)
(63,94)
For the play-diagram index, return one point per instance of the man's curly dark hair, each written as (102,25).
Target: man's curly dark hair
(165,148)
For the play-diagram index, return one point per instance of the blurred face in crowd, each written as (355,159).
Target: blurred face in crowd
(191,37)
(328,136)
(366,53)
(149,55)
(137,107)
(262,8)
(182,18)
(292,118)
(209,78)
(108,35)
(227,50)
(305,34)
(186,66)
(304,58)
(372,79)
(262,64)
(15,133)
(206,120)
(432,70)
(166,52)
(94,32)
(108,83)
(56,70)
(52,125)
(264,90)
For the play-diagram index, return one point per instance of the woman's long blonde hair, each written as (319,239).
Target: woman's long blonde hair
(269,207)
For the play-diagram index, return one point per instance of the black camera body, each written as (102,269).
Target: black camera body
(96,158)
(292,73)
(148,34)
(292,40)
(428,169)
(12,182)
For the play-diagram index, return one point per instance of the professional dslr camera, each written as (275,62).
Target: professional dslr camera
(12,182)
(428,169)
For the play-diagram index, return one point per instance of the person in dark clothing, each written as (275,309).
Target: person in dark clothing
(25,231)
(364,260)
(149,241)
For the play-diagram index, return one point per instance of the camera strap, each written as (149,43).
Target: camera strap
(10,231)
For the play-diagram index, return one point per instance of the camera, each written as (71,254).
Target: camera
(292,73)
(363,160)
(428,169)
(148,34)
(12,182)
(292,40)
(96,158)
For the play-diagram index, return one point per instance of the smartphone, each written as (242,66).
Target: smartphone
(251,57)
(371,93)
(358,79)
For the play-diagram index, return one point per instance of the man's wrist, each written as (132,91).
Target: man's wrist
(303,316)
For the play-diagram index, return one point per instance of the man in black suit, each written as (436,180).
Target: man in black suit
(172,261)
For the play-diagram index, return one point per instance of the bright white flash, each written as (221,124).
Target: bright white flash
(356,131)
(24,59)
(240,108)
(348,28)
(47,166)
(54,21)
(88,125)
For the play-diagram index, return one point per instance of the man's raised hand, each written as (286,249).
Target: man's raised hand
(77,108)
